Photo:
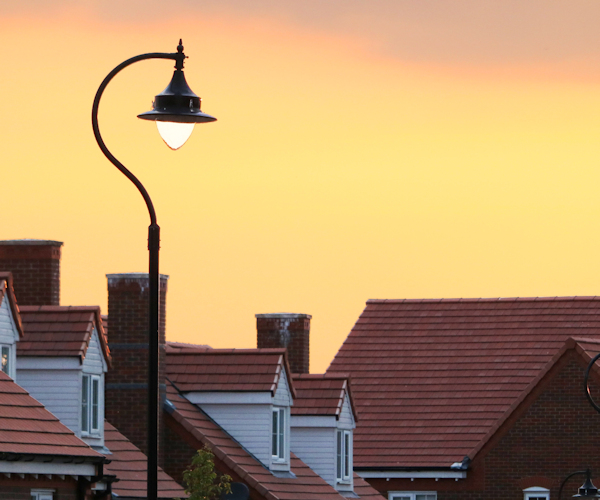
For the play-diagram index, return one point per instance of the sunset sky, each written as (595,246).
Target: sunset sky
(380,149)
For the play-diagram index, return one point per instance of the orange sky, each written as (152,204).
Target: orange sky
(359,153)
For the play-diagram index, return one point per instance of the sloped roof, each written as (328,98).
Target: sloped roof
(62,331)
(7,291)
(431,378)
(129,465)
(584,347)
(242,466)
(209,370)
(321,394)
(27,428)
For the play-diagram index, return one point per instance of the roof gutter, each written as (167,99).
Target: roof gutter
(456,471)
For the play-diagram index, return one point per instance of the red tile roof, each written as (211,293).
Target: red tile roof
(7,291)
(209,370)
(322,394)
(26,427)
(62,331)
(431,378)
(245,468)
(129,465)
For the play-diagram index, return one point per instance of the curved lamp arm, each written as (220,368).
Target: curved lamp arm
(567,478)
(153,272)
(586,383)
(179,57)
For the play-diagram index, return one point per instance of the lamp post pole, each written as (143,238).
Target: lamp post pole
(170,106)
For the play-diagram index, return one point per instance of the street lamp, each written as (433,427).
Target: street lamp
(175,111)
(587,489)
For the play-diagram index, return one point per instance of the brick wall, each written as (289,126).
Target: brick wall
(556,435)
(177,453)
(35,265)
(291,331)
(17,488)
(126,382)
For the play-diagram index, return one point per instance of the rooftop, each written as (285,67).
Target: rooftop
(62,331)
(198,369)
(431,378)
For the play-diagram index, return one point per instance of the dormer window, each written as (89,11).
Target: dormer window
(5,360)
(344,452)
(90,404)
(278,435)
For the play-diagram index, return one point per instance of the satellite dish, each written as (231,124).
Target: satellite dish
(239,491)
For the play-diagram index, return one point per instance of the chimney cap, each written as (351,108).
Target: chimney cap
(32,242)
(283,316)
(142,278)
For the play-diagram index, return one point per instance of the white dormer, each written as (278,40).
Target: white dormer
(322,428)
(246,392)
(62,361)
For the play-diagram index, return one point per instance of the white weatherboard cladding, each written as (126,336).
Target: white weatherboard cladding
(346,420)
(250,425)
(94,362)
(315,446)
(283,396)
(8,330)
(58,390)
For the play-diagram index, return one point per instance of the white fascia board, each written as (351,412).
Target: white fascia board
(47,363)
(415,474)
(313,421)
(85,469)
(229,398)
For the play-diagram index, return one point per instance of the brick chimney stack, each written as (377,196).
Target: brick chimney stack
(127,380)
(288,330)
(35,266)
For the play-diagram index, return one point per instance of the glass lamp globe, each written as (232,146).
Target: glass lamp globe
(174,134)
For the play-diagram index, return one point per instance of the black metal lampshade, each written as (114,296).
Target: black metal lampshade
(587,489)
(177,103)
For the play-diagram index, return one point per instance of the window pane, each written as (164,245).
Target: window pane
(281,433)
(346,455)
(95,397)
(275,427)
(5,359)
(339,454)
(84,403)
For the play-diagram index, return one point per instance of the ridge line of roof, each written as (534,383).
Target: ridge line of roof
(58,309)
(203,351)
(486,299)
(320,376)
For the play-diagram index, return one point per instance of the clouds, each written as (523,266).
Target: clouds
(439,31)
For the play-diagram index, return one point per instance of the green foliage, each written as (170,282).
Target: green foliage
(202,482)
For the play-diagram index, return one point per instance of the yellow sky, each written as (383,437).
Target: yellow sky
(341,168)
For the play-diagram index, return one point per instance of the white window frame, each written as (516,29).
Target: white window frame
(536,492)
(8,348)
(409,495)
(343,457)
(91,409)
(278,435)
(42,494)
